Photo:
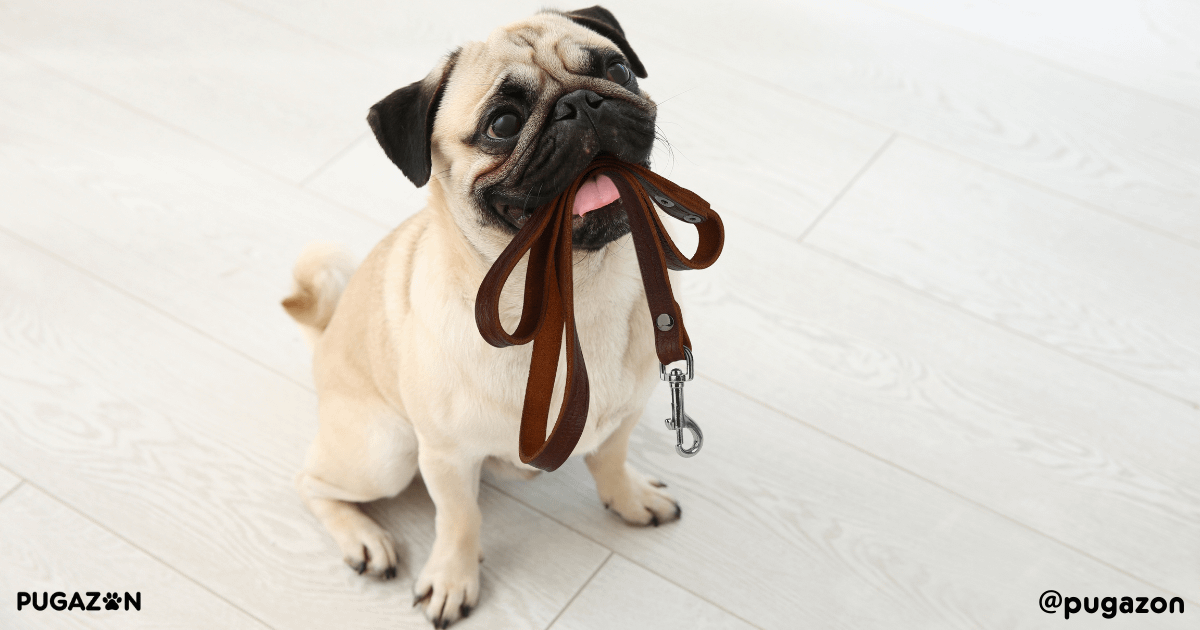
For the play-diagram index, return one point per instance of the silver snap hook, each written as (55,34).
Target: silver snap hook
(679,420)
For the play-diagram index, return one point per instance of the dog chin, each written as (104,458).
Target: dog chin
(599,227)
(589,232)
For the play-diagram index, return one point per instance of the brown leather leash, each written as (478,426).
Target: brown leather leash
(549,309)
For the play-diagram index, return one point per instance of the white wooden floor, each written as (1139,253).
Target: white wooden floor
(949,360)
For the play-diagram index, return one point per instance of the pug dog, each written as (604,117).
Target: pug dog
(405,381)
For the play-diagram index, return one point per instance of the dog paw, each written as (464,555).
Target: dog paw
(369,549)
(448,587)
(638,500)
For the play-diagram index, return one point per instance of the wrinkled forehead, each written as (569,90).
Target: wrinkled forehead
(534,53)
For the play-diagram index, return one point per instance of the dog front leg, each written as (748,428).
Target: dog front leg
(449,584)
(624,490)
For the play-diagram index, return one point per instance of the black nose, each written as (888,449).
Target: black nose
(579,102)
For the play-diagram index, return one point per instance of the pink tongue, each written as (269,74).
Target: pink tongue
(596,192)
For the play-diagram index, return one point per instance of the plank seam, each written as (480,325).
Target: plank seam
(305,181)
(664,578)
(850,184)
(603,563)
(11,491)
(634,562)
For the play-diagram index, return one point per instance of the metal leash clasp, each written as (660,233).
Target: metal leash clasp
(680,420)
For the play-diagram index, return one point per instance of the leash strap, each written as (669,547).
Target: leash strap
(549,312)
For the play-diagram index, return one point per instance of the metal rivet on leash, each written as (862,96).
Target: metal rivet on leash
(664,322)
(680,420)
(664,202)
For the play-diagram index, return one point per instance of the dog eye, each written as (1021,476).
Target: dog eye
(505,126)
(619,74)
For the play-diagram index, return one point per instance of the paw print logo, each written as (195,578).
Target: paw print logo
(111,601)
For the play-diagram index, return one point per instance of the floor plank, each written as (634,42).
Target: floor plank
(173,222)
(786,527)
(623,595)
(188,450)
(1119,150)
(1092,286)
(1152,46)
(702,114)
(1084,456)
(46,547)
(394,35)
(282,100)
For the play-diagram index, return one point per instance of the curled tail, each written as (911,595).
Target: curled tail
(321,274)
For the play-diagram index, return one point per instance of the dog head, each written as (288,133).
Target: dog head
(501,127)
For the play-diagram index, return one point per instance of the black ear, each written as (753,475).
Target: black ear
(403,122)
(602,21)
